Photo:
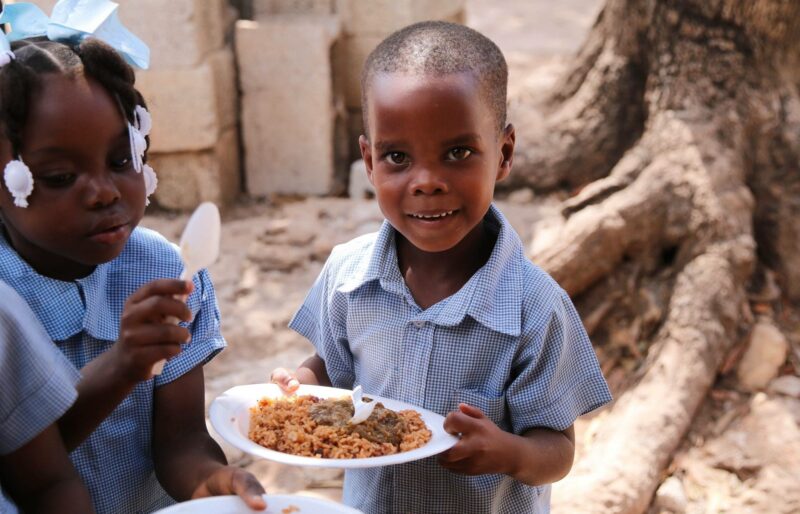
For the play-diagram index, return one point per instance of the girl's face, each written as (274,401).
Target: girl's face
(87,197)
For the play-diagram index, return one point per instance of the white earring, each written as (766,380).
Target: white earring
(19,181)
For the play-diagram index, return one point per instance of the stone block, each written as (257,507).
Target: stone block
(288,114)
(180,33)
(355,49)
(186,179)
(385,16)
(360,186)
(191,107)
(263,8)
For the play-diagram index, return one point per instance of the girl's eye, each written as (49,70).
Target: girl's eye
(458,154)
(58,180)
(122,164)
(396,158)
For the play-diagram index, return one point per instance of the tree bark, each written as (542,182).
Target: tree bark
(679,124)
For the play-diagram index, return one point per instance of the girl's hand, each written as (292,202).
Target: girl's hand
(480,450)
(232,480)
(145,334)
(285,379)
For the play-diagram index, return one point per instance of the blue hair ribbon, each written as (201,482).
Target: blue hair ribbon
(72,21)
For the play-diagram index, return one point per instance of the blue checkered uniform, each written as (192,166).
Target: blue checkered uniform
(509,342)
(37,383)
(82,317)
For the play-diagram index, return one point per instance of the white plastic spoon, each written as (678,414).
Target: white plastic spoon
(199,247)
(361,409)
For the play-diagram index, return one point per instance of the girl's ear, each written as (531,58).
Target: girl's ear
(507,141)
(366,154)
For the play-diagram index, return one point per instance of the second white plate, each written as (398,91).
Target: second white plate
(229,414)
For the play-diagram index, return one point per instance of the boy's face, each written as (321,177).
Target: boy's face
(434,155)
(87,197)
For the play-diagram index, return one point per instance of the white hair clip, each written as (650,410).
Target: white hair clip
(144,122)
(19,181)
(150,182)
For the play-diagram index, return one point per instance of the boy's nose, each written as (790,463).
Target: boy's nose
(427,181)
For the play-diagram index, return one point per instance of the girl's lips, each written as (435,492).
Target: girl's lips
(112,236)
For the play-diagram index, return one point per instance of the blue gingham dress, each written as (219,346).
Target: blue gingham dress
(82,317)
(37,383)
(508,342)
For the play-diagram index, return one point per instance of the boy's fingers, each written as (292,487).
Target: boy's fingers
(456,453)
(458,423)
(471,411)
(285,380)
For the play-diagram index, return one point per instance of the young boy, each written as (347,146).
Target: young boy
(37,386)
(440,308)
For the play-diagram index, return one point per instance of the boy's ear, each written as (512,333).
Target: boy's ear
(507,141)
(366,154)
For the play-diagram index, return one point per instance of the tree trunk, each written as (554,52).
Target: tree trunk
(679,126)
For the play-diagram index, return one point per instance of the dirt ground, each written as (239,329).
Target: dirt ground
(743,452)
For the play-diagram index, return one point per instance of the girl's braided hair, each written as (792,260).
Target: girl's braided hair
(22,78)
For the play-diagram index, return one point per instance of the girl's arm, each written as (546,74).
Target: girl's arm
(145,337)
(188,462)
(540,456)
(39,477)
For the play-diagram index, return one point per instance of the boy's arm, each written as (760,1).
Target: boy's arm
(188,462)
(539,456)
(39,477)
(311,371)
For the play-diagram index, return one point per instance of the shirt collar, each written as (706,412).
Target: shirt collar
(62,306)
(493,296)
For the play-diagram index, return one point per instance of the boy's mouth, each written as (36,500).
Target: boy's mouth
(432,216)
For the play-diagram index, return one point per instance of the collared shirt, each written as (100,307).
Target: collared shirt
(508,342)
(37,383)
(83,317)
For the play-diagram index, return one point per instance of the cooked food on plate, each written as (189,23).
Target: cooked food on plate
(314,427)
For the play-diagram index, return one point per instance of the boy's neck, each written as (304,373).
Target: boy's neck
(432,277)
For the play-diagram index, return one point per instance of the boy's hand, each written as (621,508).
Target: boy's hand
(145,334)
(285,379)
(481,446)
(233,480)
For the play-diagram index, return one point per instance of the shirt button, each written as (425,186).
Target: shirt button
(419,324)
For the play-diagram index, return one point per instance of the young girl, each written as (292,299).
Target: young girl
(72,151)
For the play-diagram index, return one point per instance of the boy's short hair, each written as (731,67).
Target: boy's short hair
(440,48)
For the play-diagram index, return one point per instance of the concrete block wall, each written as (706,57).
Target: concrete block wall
(293,85)
(288,115)
(274,138)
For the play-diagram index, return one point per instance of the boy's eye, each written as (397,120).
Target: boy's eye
(458,154)
(396,158)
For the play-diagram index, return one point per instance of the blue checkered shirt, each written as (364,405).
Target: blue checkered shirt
(508,342)
(37,383)
(82,317)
